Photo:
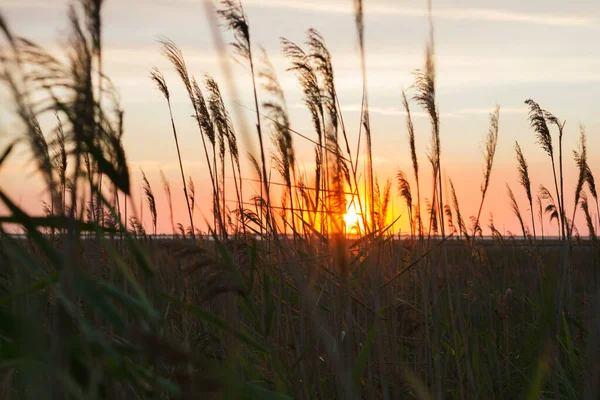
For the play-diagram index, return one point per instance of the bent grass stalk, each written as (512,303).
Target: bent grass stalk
(161,83)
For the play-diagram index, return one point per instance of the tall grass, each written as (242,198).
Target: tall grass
(539,119)
(514,206)
(491,142)
(415,162)
(98,308)
(167,189)
(159,79)
(526,183)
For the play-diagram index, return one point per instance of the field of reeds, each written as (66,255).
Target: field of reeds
(283,294)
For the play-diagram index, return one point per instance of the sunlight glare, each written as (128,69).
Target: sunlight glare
(352,218)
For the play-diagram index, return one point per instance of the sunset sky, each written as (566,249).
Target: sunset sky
(488,52)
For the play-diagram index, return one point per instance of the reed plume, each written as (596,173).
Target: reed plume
(260,210)
(551,207)
(311,94)
(285,159)
(150,200)
(449,218)
(525,181)
(204,117)
(560,125)
(425,91)
(206,126)
(173,54)
(222,121)
(425,96)
(215,126)
(277,110)
(459,219)
(323,65)
(309,83)
(582,165)
(40,151)
(67,88)
(192,194)
(157,77)
(119,137)
(322,61)
(491,141)
(318,203)
(136,227)
(384,204)
(366,123)
(540,212)
(93,21)
(588,219)
(538,121)
(415,162)
(302,66)
(589,179)
(92,11)
(433,220)
(181,229)
(514,206)
(167,189)
(495,232)
(34,137)
(405,192)
(255,164)
(89,167)
(60,161)
(232,14)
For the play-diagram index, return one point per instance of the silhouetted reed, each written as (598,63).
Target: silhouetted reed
(525,182)
(514,206)
(491,142)
(159,79)
(538,119)
(150,200)
(415,163)
(167,189)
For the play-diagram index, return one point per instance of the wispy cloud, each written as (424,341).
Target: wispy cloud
(474,14)
(38,4)
(482,14)
(484,110)
(418,114)
(381,110)
(379,9)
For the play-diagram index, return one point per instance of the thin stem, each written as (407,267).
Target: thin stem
(185,193)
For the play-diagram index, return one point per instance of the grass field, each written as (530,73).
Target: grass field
(307,295)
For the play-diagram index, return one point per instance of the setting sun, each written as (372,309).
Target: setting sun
(352,218)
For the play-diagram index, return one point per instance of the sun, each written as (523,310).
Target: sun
(352,217)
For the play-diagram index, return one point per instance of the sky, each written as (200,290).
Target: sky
(488,52)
